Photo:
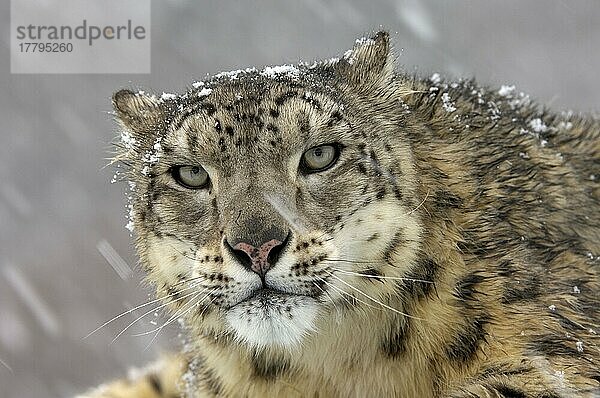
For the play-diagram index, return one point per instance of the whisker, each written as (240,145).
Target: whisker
(397,278)
(188,280)
(327,293)
(371,298)
(174,317)
(420,204)
(341,260)
(354,297)
(146,313)
(182,253)
(343,296)
(135,309)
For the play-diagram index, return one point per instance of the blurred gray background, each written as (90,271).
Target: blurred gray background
(62,222)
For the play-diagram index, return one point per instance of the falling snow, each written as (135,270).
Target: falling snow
(25,290)
(447,103)
(506,91)
(114,259)
(56,205)
(538,125)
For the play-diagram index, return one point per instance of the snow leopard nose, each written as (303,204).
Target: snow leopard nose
(258,259)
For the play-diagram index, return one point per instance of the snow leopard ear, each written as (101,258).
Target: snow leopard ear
(369,64)
(139,112)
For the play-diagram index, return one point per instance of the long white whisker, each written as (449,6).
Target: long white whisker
(371,298)
(397,278)
(344,293)
(327,293)
(146,313)
(135,309)
(354,297)
(175,316)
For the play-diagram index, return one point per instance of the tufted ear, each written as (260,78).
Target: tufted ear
(369,64)
(139,112)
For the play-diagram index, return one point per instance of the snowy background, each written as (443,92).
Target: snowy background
(62,222)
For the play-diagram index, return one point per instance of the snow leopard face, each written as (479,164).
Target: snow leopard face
(265,201)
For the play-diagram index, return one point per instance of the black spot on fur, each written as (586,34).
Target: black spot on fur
(503,369)
(155,383)
(552,346)
(467,341)
(466,286)
(509,391)
(210,380)
(229,130)
(269,369)
(396,241)
(394,344)
(420,282)
(522,290)
(336,117)
(272,127)
(373,237)
(192,140)
(361,168)
(443,200)
(566,322)
(284,97)
(397,193)
(274,113)
(312,101)
(549,394)
(258,121)
(209,108)
(506,269)
(372,275)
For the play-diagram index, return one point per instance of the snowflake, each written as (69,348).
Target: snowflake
(447,103)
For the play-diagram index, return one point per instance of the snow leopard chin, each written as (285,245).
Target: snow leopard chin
(273,320)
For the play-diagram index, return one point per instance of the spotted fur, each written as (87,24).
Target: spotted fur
(451,251)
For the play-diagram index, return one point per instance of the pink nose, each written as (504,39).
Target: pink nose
(259,257)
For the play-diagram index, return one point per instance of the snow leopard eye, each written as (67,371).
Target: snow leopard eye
(193,177)
(319,158)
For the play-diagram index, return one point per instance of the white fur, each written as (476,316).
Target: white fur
(265,323)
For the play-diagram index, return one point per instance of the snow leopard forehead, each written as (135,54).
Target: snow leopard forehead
(250,127)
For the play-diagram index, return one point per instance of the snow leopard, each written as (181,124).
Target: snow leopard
(344,229)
